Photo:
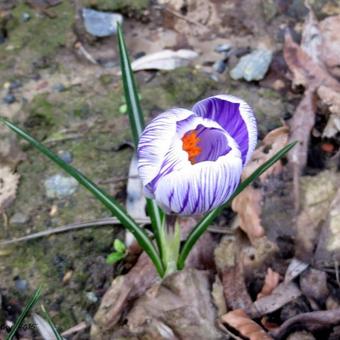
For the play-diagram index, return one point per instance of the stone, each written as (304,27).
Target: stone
(25,17)
(21,285)
(91,297)
(19,218)
(59,87)
(66,156)
(9,99)
(60,186)
(101,24)
(219,66)
(252,66)
(222,48)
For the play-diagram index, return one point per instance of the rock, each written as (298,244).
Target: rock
(59,87)
(21,285)
(19,218)
(15,84)
(222,48)
(59,186)
(91,297)
(66,156)
(219,66)
(9,99)
(100,24)
(252,66)
(25,17)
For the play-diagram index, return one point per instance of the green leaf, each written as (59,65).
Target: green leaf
(116,209)
(203,225)
(136,119)
(50,322)
(31,303)
(114,257)
(119,246)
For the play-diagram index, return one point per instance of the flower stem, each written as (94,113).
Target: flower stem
(170,244)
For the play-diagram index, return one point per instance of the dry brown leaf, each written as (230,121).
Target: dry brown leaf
(270,283)
(280,296)
(310,321)
(331,98)
(239,320)
(307,67)
(328,247)
(180,307)
(330,50)
(248,203)
(8,187)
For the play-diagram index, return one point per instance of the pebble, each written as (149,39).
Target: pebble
(252,66)
(15,84)
(59,87)
(100,24)
(2,38)
(91,297)
(222,48)
(219,66)
(18,218)
(9,99)
(59,186)
(25,17)
(66,156)
(21,285)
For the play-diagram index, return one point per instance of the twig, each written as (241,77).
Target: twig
(182,17)
(75,329)
(78,45)
(64,139)
(74,226)
(103,222)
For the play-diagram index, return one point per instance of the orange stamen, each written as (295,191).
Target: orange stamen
(190,141)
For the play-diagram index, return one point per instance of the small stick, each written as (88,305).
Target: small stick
(74,226)
(75,329)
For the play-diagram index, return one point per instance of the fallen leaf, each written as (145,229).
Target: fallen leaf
(138,280)
(295,268)
(180,307)
(164,60)
(328,246)
(331,98)
(313,284)
(239,320)
(311,321)
(44,327)
(280,296)
(316,195)
(248,203)
(330,49)
(270,283)
(306,65)
(8,187)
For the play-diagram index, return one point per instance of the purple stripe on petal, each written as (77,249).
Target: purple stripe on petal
(235,116)
(201,187)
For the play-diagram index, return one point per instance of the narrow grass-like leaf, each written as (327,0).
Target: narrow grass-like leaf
(50,322)
(136,119)
(116,209)
(31,303)
(203,225)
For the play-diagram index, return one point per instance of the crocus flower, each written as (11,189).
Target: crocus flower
(190,162)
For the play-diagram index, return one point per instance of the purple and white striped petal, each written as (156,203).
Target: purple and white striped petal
(235,116)
(155,142)
(200,188)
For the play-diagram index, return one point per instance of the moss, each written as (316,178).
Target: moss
(187,85)
(40,37)
(119,5)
